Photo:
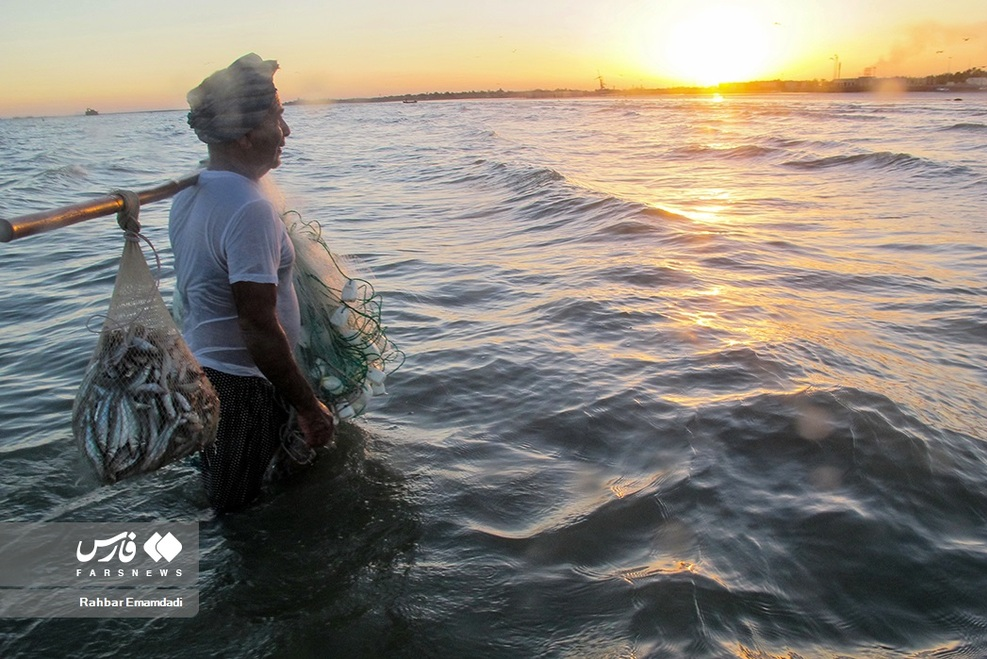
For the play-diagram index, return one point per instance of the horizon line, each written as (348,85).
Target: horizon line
(822,86)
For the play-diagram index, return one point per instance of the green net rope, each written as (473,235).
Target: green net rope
(344,349)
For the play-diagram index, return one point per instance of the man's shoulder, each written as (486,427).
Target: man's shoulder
(232,195)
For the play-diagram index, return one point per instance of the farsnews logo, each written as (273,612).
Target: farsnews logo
(167,547)
(123,547)
(112,557)
(122,541)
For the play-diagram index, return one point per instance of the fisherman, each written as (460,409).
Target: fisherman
(233,264)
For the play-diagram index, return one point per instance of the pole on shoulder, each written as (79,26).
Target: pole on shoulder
(28,225)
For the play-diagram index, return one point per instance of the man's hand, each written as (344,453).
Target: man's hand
(318,425)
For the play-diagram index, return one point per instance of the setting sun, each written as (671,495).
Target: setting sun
(714,45)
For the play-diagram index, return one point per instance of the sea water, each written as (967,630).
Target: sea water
(685,377)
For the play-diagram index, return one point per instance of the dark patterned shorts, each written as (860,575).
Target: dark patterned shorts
(252,418)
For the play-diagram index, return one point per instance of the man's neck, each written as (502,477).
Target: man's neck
(225,158)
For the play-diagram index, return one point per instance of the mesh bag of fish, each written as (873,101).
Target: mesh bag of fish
(144,400)
(344,350)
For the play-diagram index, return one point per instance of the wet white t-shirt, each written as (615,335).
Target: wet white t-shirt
(224,230)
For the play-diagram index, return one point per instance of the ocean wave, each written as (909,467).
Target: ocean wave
(571,317)
(963,329)
(966,128)
(865,447)
(630,227)
(853,116)
(843,479)
(628,219)
(72,172)
(826,280)
(976,183)
(881,160)
(795,143)
(743,152)
(543,199)
(520,178)
(823,476)
(648,277)
(621,109)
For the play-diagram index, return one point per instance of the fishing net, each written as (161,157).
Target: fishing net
(344,350)
(144,400)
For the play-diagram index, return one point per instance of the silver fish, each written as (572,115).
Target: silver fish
(143,402)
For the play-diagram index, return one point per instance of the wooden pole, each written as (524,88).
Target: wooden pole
(28,225)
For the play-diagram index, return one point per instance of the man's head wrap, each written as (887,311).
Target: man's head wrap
(233,101)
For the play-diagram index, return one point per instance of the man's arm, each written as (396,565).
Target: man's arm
(268,346)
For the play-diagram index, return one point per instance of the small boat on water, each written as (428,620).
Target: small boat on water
(90,112)
(410,100)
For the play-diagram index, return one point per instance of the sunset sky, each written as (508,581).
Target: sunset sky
(120,55)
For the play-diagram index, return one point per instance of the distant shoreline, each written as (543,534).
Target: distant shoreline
(972,80)
(945,84)
(609,93)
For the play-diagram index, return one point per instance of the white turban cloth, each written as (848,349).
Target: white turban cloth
(233,101)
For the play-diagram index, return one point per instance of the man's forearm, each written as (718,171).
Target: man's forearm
(269,348)
(268,344)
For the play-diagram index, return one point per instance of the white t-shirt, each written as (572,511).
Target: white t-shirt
(224,230)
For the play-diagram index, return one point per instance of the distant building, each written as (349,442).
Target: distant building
(854,84)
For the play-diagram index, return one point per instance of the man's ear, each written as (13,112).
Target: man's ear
(244,141)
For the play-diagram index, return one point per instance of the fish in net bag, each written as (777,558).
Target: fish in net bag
(144,401)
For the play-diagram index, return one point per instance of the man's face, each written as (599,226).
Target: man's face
(267,139)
